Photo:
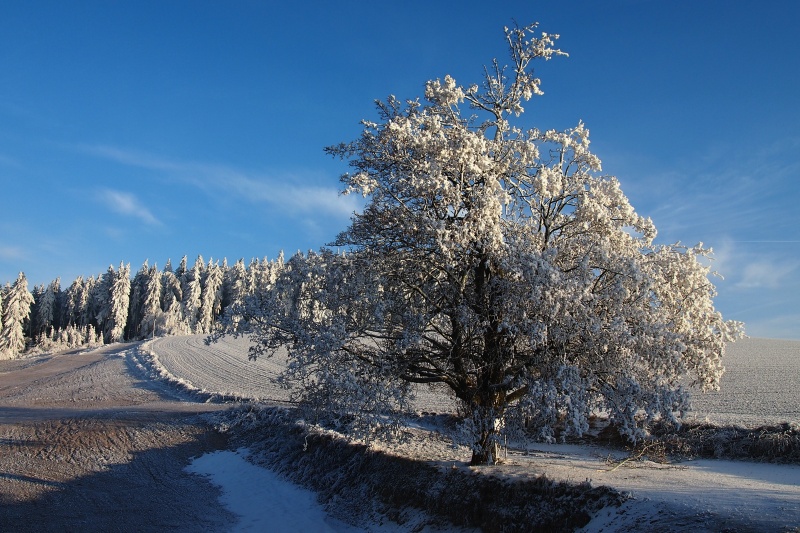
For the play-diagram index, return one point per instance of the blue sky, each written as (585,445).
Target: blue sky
(153,130)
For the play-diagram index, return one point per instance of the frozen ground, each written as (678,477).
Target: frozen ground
(85,433)
(712,495)
(89,442)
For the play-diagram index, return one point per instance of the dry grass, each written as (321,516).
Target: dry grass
(777,443)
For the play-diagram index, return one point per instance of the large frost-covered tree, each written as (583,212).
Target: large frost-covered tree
(16,310)
(498,260)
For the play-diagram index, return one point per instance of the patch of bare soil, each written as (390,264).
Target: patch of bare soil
(86,444)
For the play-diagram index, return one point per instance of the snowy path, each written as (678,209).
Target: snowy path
(87,443)
(713,495)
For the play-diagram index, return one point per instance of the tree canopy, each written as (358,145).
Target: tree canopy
(498,260)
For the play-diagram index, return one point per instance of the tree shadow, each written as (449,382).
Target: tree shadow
(353,480)
(149,492)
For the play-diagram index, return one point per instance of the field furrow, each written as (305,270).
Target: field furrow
(220,368)
(759,387)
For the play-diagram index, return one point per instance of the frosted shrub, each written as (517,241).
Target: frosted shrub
(69,338)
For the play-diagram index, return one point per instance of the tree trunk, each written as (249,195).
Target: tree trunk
(487,419)
(488,404)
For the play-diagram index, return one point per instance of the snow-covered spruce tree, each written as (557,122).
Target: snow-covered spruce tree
(151,304)
(46,311)
(34,329)
(211,297)
(99,304)
(135,311)
(496,260)
(89,308)
(171,322)
(234,284)
(191,287)
(120,304)
(112,299)
(17,303)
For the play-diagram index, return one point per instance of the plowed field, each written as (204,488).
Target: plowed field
(759,387)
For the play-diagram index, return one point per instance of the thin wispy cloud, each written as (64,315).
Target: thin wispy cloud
(285,196)
(757,264)
(127,204)
(213,179)
(128,157)
(766,275)
(10,253)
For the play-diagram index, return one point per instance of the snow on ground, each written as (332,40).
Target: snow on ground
(712,494)
(261,498)
(224,368)
(219,368)
(265,501)
(760,387)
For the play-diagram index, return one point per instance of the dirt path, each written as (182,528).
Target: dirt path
(87,444)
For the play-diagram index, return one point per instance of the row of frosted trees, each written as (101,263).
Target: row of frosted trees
(114,306)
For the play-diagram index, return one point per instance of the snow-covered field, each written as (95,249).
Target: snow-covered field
(759,386)
(223,368)
(219,368)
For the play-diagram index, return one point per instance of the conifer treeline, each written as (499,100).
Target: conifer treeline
(113,307)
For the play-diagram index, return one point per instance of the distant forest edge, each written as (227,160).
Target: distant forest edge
(113,307)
